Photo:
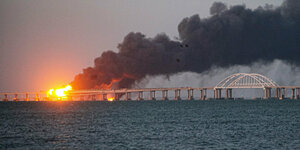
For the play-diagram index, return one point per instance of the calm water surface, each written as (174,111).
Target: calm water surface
(240,124)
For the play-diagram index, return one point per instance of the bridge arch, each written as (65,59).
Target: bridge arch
(246,80)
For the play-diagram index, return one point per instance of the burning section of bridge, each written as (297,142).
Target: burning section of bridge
(59,93)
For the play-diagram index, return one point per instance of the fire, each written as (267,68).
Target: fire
(59,92)
(111,99)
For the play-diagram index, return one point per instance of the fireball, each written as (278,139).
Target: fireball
(59,92)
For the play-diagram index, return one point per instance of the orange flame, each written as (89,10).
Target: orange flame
(59,92)
(111,99)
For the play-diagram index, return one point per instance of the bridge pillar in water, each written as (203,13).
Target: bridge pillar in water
(228,93)
(267,93)
(104,97)
(190,94)
(117,96)
(16,97)
(277,93)
(140,96)
(5,99)
(297,93)
(128,96)
(37,97)
(152,95)
(202,94)
(282,93)
(164,94)
(293,93)
(217,93)
(177,94)
(26,97)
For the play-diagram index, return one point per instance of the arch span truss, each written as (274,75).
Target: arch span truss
(246,80)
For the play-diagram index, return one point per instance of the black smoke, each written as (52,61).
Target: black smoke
(230,36)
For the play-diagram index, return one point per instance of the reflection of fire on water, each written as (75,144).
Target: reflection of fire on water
(59,93)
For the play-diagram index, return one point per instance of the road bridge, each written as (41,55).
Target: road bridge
(235,81)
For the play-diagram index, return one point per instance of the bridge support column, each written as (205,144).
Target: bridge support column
(16,97)
(282,93)
(140,96)
(293,93)
(297,93)
(228,93)
(202,94)
(190,94)
(26,97)
(217,93)
(128,96)
(267,93)
(104,97)
(177,94)
(117,96)
(37,97)
(164,94)
(5,99)
(152,95)
(277,93)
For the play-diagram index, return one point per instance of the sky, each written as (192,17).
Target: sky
(44,44)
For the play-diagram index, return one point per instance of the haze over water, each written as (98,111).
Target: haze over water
(214,124)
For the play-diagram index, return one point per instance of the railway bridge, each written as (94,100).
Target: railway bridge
(235,81)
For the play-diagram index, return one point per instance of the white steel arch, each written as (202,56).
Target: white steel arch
(246,80)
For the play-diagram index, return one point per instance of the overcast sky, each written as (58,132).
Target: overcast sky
(45,43)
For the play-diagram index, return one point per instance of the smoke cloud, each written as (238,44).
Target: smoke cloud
(281,72)
(229,37)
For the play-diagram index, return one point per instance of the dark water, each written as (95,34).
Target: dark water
(241,124)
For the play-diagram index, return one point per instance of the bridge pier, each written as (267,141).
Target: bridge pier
(202,94)
(16,97)
(293,93)
(190,94)
(5,99)
(267,93)
(117,96)
(128,96)
(282,93)
(217,93)
(140,96)
(93,97)
(152,95)
(164,94)
(297,93)
(37,97)
(177,94)
(228,93)
(277,93)
(104,97)
(26,97)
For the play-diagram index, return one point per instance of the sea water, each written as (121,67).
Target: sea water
(214,124)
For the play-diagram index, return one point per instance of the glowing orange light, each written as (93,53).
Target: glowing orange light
(59,92)
(111,99)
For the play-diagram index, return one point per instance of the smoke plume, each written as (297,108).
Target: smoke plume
(230,36)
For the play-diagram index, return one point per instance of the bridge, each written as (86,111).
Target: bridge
(235,81)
